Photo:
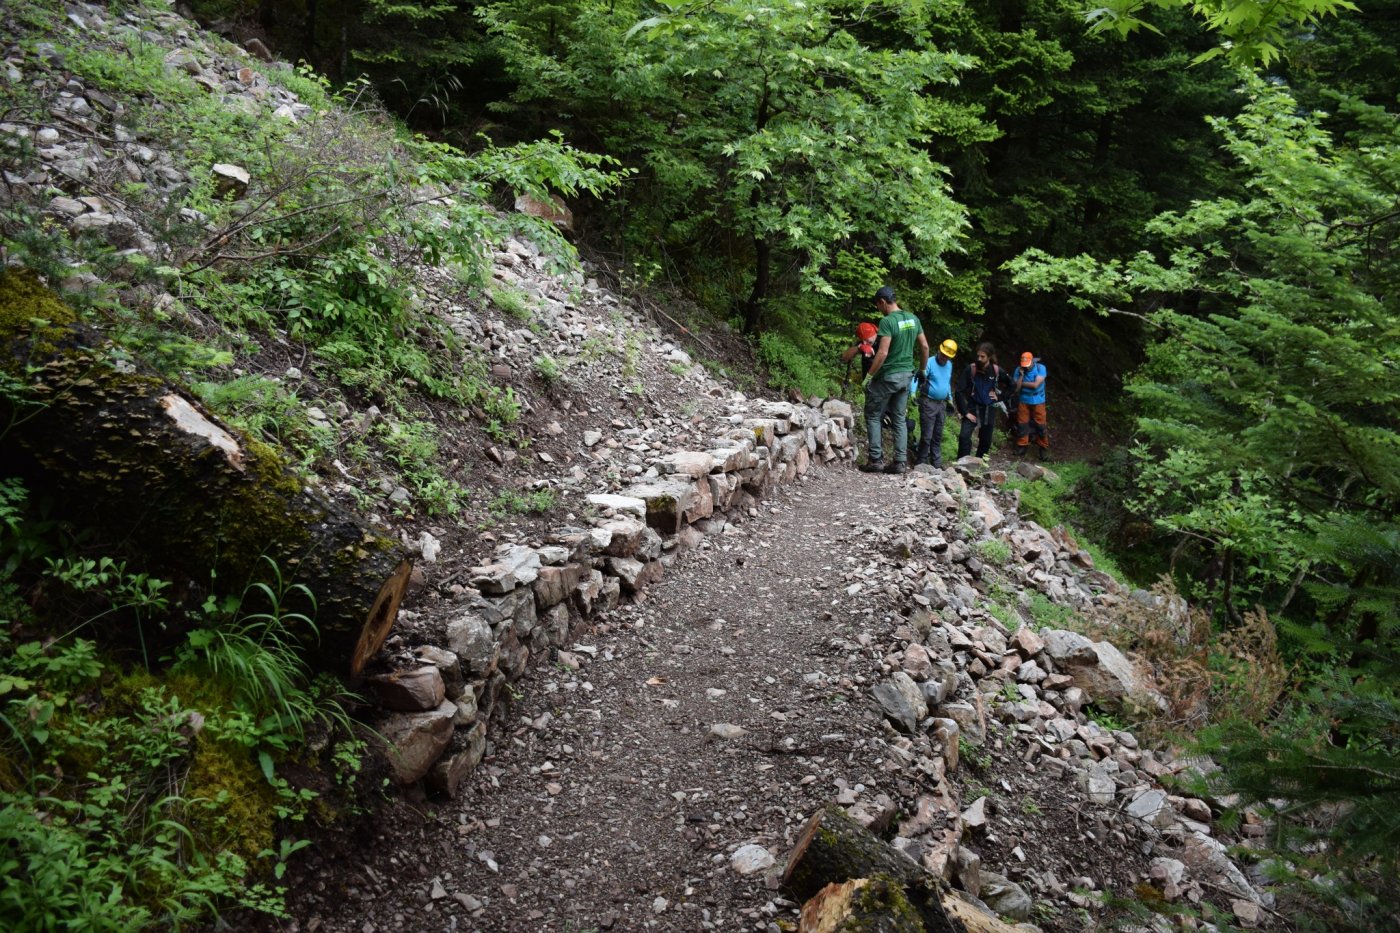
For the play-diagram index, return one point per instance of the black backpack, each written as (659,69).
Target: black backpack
(1006,389)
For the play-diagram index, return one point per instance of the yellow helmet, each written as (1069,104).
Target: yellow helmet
(948,348)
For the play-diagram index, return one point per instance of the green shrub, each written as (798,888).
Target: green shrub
(993,551)
(795,367)
(1006,614)
(512,302)
(549,371)
(1051,615)
(265,409)
(511,502)
(131,800)
(412,447)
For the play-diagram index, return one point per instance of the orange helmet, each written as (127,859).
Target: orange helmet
(865,331)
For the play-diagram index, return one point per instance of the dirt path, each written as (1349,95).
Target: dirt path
(617,793)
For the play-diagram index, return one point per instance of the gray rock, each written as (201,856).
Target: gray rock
(727,731)
(969,719)
(457,763)
(230,180)
(1101,670)
(471,639)
(902,701)
(1005,896)
(1206,859)
(1151,808)
(751,859)
(1167,875)
(514,566)
(1100,783)
(667,502)
(691,463)
(1030,470)
(634,574)
(67,206)
(946,733)
(1029,673)
(967,870)
(627,505)
(974,818)
(555,583)
(448,665)
(624,535)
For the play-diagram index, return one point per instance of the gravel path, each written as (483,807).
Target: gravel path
(717,713)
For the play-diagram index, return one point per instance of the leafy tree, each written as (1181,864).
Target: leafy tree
(1251,31)
(1270,406)
(1269,438)
(768,132)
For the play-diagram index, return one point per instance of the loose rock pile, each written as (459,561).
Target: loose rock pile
(959,680)
(76,164)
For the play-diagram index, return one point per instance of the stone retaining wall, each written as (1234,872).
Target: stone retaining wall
(526,601)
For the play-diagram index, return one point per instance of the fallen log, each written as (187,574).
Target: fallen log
(122,449)
(848,879)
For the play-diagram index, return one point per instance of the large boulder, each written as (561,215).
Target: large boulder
(469,636)
(1101,671)
(1005,896)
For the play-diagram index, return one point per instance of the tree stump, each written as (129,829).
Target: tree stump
(874,904)
(123,450)
(847,876)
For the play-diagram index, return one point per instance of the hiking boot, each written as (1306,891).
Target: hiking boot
(1018,451)
(897,467)
(874,466)
(1044,454)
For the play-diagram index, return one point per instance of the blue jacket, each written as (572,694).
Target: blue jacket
(1036,371)
(975,388)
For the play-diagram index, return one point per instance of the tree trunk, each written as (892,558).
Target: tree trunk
(753,308)
(834,850)
(308,33)
(1093,207)
(122,450)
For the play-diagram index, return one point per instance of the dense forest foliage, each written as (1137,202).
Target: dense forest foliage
(1192,213)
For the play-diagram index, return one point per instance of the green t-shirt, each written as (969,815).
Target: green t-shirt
(903,329)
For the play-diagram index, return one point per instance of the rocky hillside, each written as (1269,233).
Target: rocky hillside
(549,451)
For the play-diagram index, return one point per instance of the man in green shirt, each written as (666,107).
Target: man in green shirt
(899,339)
